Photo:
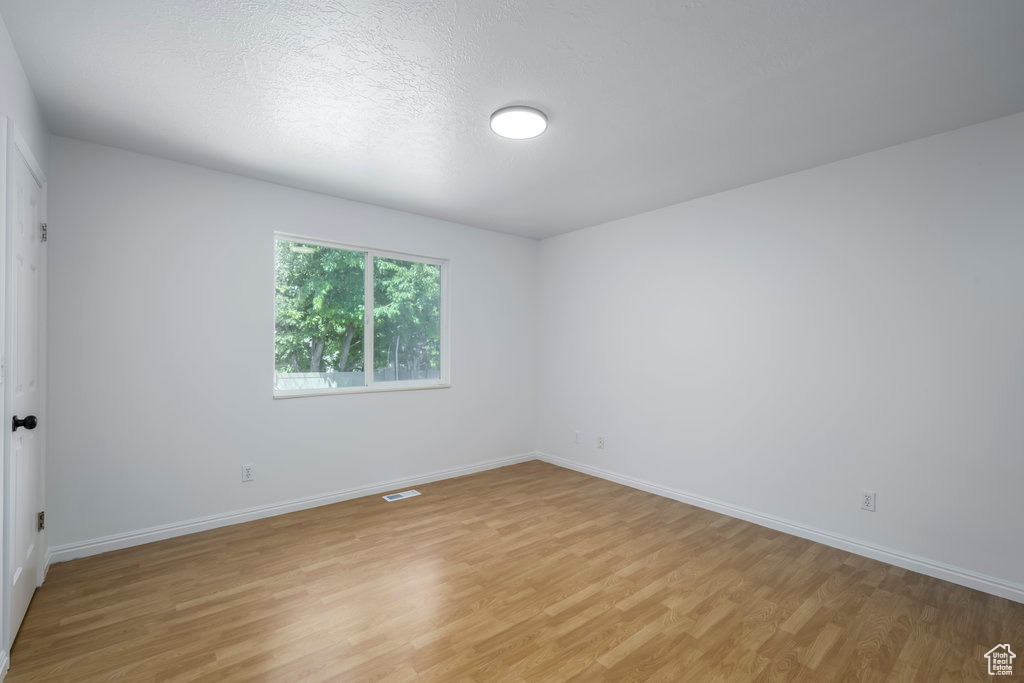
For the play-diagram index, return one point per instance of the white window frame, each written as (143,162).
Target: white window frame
(369,386)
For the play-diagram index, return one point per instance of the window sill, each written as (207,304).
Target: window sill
(373,389)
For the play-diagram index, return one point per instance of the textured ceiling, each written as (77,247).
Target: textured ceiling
(650,103)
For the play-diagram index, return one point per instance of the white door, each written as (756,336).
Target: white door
(25,472)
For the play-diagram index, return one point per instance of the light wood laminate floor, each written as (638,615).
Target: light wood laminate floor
(525,573)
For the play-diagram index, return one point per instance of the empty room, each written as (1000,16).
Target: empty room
(512,340)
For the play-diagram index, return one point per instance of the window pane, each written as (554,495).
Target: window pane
(318,317)
(406,320)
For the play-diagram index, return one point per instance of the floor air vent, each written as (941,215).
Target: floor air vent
(399,496)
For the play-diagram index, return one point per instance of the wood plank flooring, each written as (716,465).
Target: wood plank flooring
(525,573)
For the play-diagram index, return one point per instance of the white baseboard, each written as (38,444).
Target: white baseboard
(939,570)
(5,664)
(923,565)
(70,551)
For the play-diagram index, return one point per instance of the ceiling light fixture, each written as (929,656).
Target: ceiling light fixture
(519,122)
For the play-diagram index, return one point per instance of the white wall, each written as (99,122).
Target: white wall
(162,274)
(786,344)
(17,100)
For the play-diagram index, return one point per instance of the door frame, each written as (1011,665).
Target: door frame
(13,143)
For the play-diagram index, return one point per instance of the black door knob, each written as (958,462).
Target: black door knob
(28,422)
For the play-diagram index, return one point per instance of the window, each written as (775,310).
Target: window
(349,319)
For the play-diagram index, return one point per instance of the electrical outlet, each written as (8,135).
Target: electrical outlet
(247,473)
(576,437)
(600,442)
(867,501)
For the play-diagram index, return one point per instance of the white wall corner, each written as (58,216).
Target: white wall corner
(922,565)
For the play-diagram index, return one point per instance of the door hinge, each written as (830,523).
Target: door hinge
(41,521)
(42,232)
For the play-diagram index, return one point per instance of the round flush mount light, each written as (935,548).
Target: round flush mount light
(519,122)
